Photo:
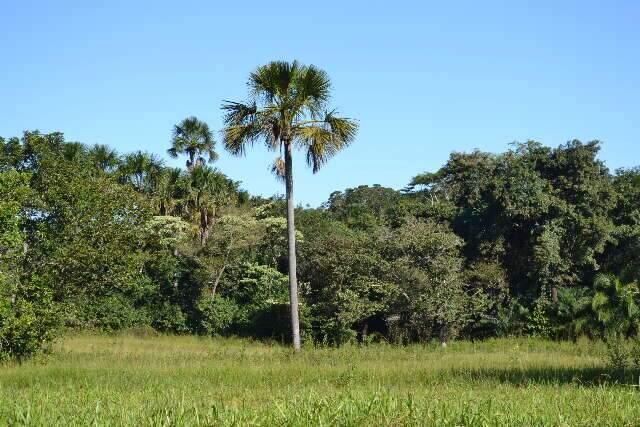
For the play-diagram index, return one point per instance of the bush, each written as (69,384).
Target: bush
(216,314)
(113,313)
(538,322)
(28,321)
(167,317)
(617,352)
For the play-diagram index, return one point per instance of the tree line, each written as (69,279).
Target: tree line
(533,241)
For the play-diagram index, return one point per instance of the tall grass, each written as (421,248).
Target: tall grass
(129,380)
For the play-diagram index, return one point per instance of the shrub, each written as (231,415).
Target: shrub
(167,317)
(113,313)
(617,352)
(28,321)
(216,314)
(538,322)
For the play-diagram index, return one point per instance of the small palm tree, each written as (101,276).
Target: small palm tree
(74,151)
(209,190)
(193,138)
(287,108)
(103,157)
(141,170)
(615,304)
(168,191)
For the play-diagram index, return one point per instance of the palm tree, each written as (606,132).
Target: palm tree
(615,304)
(209,190)
(103,157)
(74,151)
(286,108)
(193,138)
(141,170)
(168,191)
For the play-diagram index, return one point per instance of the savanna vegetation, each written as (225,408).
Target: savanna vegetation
(533,242)
(175,381)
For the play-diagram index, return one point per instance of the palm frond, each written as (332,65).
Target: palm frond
(322,140)
(312,90)
(273,80)
(240,126)
(245,125)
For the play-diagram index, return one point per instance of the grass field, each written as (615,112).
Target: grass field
(137,380)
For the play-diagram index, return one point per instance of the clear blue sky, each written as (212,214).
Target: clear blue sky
(423,78)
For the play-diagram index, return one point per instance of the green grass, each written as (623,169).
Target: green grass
(129,380)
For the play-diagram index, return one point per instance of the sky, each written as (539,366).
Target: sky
(422,78)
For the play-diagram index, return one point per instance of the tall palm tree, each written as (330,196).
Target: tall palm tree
(287,107)
(193,138)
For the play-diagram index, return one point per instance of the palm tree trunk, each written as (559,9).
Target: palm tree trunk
(190,161)
(204,227)
(443,336)
(291,236)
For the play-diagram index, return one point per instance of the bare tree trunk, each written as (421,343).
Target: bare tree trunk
(217,281)
(220,273)
(291,236)
(443,336)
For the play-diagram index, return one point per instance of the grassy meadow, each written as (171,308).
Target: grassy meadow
(166,380)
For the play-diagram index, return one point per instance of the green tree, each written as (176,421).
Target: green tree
(104,158)
(350,283)
(363,207)
(28,320)
(85,231)
(288,107)
(169,191)
(140,170)
(428,266)
(193,138)
(209,190)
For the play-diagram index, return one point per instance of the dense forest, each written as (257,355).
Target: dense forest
(536,240)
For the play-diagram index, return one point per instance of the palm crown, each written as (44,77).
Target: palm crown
(193,138)
(209,189)
(288,105)
(103,157)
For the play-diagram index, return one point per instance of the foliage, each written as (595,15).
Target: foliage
(346,297)
(574,316)
(28,318)
(533,241)
(216,314)
(433,301)
(615,305)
